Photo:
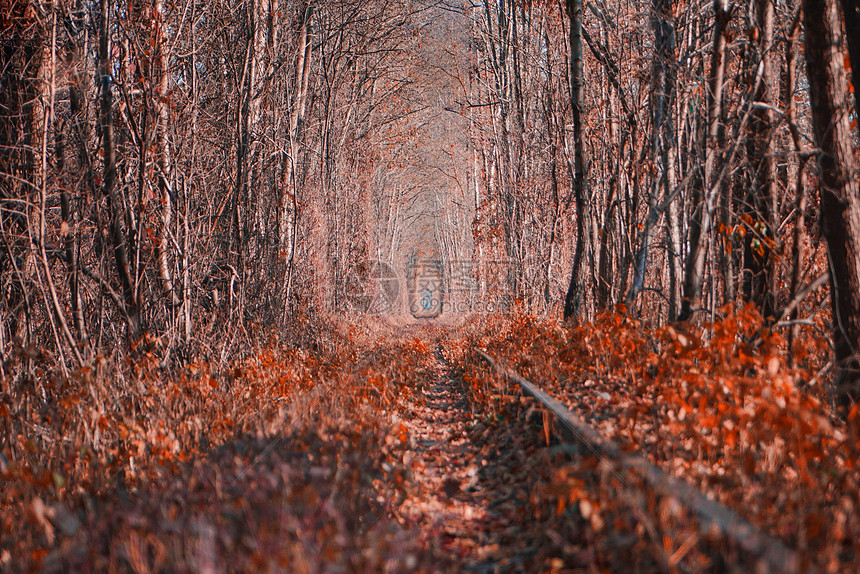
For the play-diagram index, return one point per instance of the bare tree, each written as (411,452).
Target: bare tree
(760,204)
(573,299)
(663,193)
(706,190)
(840,194)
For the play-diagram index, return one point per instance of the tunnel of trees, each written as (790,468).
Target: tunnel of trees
(273,274)
(177,174)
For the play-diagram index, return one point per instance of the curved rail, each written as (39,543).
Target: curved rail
(765,550)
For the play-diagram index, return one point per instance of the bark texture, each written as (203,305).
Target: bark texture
(840,195)
(573,299)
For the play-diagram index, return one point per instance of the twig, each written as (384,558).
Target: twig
(801,295)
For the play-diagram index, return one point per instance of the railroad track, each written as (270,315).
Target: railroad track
(767,553)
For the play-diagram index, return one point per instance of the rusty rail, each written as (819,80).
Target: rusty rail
(765,550)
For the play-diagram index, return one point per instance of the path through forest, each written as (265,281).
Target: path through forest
(482,484)
(444,496)
(212,213)
(378,449)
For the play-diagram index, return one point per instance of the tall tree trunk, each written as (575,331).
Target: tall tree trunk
(796,168)
(759,270)
(288,203)
(189,182)
(663,94)
(705,194)
(80,129)
(109,173)
(165,161)
(551,123)
(240,197)
(840,194)
(573,299)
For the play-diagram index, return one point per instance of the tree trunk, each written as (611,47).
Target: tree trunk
(288,204)
(840,195)
(705,195)
(165,161)
(573,299)
(759,273)
(109,173)
(797,165)
(663,94)
(549,114)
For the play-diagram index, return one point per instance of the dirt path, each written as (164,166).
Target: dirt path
(484,491)
(446,500)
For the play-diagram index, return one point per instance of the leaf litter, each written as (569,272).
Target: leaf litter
(364,448)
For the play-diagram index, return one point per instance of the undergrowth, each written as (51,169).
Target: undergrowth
(285,458)
(718,406)
(291,455)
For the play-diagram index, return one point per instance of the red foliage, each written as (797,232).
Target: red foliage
(716,405)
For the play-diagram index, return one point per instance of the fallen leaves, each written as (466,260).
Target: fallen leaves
(284,460)
(718,406)
(311,457)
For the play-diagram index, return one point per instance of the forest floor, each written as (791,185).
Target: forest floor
(362,448)
(481,487)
